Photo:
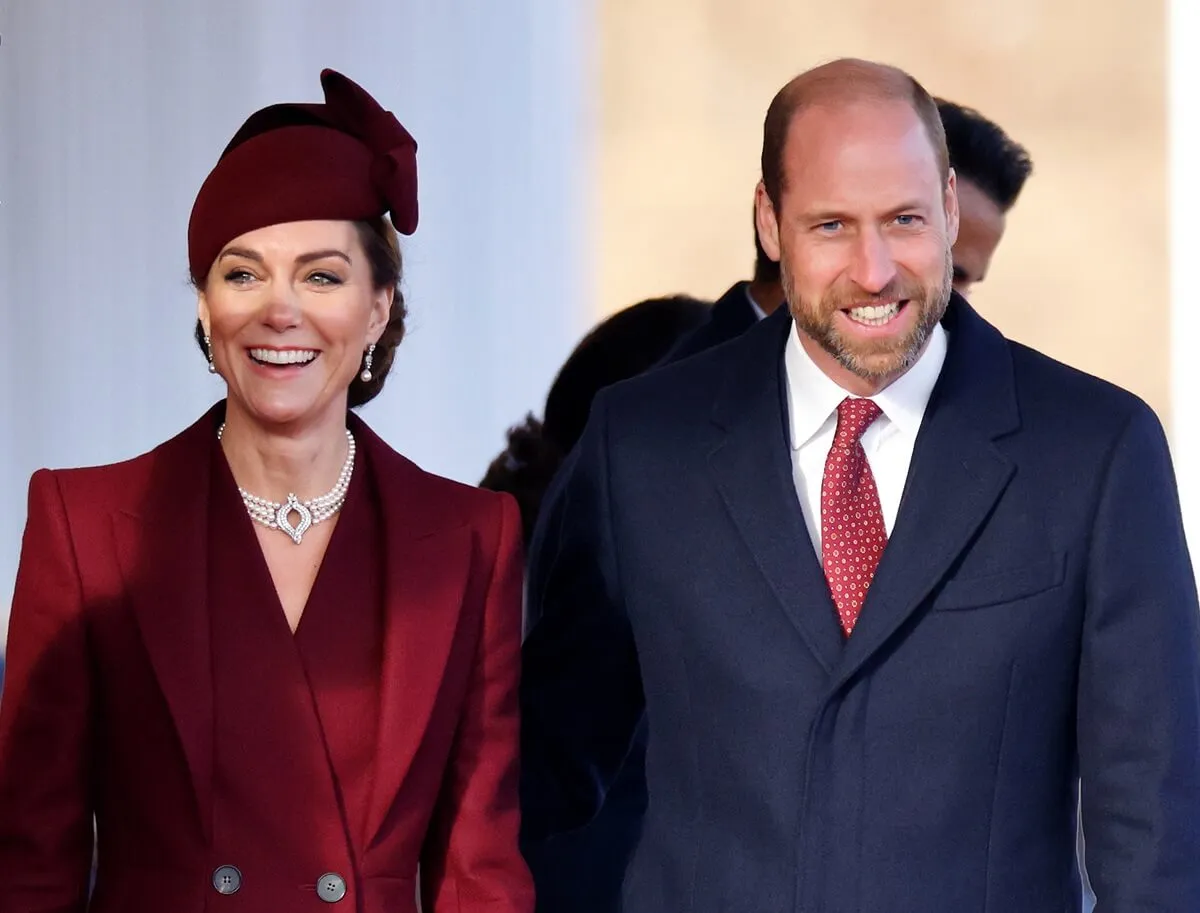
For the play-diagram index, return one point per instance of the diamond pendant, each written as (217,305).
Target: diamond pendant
(285,511)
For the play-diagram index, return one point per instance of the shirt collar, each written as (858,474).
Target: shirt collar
(813,396)
(758,311)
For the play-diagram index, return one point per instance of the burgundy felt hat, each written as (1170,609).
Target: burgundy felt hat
(345,159)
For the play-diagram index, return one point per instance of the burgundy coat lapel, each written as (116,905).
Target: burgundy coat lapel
(427,561)
(162,548)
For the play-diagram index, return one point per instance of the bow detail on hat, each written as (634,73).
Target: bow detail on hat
(394,169)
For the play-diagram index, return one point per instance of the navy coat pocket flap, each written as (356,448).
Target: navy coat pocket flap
(1001,587)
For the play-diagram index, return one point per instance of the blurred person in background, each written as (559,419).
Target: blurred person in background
(581,872)
(273,658)
(623,345)
(742,306)
(991,169)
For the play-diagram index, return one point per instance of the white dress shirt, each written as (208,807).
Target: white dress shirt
(812,420)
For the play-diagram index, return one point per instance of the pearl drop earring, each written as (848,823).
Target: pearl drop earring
(212,369)
(366,374)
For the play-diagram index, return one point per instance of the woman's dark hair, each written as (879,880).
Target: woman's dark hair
(382,248)
(626,344)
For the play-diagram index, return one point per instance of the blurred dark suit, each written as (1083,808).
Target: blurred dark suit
(732,314)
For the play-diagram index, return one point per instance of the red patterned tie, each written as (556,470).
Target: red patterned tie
(852,530)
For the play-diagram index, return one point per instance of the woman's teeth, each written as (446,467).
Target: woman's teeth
(283,356)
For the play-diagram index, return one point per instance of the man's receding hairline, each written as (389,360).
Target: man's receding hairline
(839,84)
(847,80)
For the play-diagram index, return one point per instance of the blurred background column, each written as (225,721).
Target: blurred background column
(112,114)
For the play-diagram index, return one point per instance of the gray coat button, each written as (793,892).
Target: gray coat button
(331,887)
(227,880)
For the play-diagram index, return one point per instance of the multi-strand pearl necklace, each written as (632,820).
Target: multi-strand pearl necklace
(275,515)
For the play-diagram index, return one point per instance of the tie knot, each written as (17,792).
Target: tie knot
(854,417)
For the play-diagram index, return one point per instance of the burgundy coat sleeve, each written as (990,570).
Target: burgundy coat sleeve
(472,862)
(46,717)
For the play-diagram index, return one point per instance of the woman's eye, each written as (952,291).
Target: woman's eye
(239,276)
(324,279)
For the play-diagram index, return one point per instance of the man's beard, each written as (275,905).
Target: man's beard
(874,359)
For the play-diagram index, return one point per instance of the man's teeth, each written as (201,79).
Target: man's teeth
(283,357)
(874,314)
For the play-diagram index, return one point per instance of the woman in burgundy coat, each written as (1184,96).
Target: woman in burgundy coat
(272,659)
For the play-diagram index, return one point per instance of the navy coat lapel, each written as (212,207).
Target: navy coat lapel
(752,467)
(956,476)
